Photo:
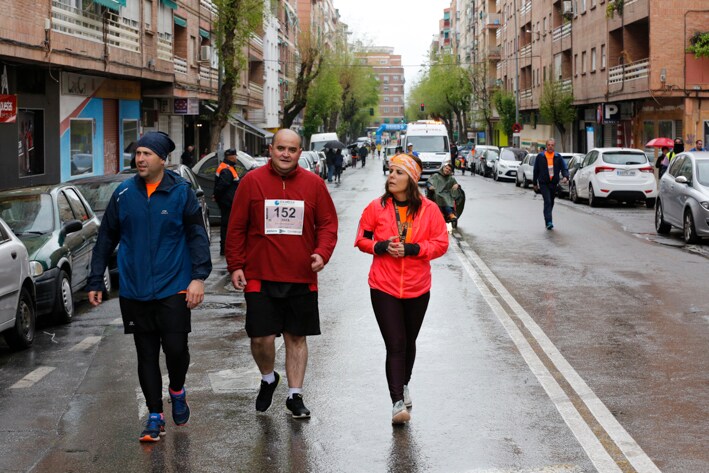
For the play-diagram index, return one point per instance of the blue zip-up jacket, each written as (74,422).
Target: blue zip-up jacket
(163,242)
(540,174)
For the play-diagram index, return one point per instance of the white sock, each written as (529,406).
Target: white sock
(292,391)
(270,378)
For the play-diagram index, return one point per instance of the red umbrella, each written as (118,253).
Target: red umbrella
(660,143)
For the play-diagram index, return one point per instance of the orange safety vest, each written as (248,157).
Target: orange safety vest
(223,166)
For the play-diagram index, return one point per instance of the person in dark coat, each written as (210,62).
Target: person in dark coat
(225,183)
(362,152)
(339,161)
(549,168)
(330,161)
(187,157)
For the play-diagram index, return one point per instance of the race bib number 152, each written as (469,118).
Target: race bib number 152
(284,217)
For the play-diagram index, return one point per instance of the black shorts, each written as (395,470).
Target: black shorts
(169,315)
(296,314)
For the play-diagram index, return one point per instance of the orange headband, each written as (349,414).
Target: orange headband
(407,164)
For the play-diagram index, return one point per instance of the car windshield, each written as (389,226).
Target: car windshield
(304,163)
(508,157)
(703,172)
(623,157)
(490,155)
(428,144)
(98,194)
(28,213)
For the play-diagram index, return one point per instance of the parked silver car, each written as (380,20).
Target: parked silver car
(563,187)
(525,172)
(683,198)
(17,291)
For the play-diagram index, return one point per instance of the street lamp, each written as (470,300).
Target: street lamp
(515,139)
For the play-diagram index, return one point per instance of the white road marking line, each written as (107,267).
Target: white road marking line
(543,469)
(587,439)
(632,451)
(88,342)
(117,321)
(33,377)
(233,380)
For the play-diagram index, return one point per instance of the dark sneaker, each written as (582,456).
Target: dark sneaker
(550,226)
(265,393)
(154,428)
(297,408)
(180,408)
(399,413)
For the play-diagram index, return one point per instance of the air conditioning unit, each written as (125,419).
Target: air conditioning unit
(567,9)
(205,53)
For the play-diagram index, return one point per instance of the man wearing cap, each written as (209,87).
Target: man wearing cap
(226,181)
(410,150)
(163,260)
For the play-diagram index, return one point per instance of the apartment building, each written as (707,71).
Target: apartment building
(389,71)
(629,71)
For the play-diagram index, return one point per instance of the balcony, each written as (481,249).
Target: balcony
(633,10)
(255,48)
(525,94)
(208,75)
(525,8)
(493,20)
(180,65)
(563,31)
(165,46)
(566,85)
(630,78)
(209,5)
(525,51)
(493,53)
(120,32)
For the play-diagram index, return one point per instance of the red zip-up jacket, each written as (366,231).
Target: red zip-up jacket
(410,276)
(281,258)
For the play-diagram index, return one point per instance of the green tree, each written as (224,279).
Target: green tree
(506,108)
(360,92)
(556,107)
(311,60)
(482,97)
(236,20)
(323,100)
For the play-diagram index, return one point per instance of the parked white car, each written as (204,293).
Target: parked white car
(505,167)
(563,188)
(525,171)
(620,174)
(17,291)
(683,199)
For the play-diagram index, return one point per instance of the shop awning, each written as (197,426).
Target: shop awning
(249,127)
(204,33)
(170,4)
(112,4)
(179,21)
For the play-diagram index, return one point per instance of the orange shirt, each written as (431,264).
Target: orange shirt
(407,221)
(550,163)
(151,187)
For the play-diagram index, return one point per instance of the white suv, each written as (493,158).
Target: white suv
(620,174)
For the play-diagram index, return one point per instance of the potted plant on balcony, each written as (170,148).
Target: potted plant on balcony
(699,44)
(614,6)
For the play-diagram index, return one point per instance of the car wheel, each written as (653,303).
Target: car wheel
(650,203)
(592,200)
(517,183)
(573,195)
(494,175)
(22,334)
(660,225)
(690,232)
(64,305)
(525,182)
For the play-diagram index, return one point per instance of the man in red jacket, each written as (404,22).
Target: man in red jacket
(282,232)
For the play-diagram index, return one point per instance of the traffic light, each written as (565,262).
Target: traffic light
(371,112)
(422,107)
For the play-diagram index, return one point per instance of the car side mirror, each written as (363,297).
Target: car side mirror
(199,193)
(681,180)
(72,226)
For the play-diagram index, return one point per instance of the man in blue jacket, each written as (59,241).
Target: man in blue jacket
(163,260)
(549,168)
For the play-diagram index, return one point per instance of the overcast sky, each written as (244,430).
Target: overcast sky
(406,25)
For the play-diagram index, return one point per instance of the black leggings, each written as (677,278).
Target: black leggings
(177,359)
(399,321)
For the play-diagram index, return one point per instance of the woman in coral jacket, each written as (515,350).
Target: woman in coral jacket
(404,231)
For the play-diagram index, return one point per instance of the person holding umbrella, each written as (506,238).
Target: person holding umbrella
(332,148)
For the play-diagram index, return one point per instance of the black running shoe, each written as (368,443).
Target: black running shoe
(265,393)
(297,408)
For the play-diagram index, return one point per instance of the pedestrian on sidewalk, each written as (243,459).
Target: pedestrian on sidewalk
(330,154)
(282,232)
(401,224)
(549,168)
(163,260)
(226,181)
(339,161)
(187,157)
(362,152)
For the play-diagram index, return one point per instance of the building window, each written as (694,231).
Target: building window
(583,6)
(593,4)
(583,62)
(148,14)
(386,99)
(82,146)
(130,136)
(30,135)
(395,77)
(396,99)
(385,110)
(544,25)
(382,61)
(603,56)
(593,59)
(395,89)
(576,64)
(385,88)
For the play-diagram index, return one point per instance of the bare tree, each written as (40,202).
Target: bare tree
(311,59)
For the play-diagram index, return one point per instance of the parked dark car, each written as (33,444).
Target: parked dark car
(206,170)
(17,291)
(59,230)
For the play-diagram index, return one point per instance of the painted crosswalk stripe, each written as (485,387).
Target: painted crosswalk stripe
(117,321)
(32,378)
(88,342)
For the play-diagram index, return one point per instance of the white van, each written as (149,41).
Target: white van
(430,140)
(318,140)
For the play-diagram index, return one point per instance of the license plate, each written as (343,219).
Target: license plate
(623,172)
(513,173)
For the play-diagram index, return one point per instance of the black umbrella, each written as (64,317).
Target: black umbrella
(334,144)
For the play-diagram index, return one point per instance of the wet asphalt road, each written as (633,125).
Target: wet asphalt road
(577,350)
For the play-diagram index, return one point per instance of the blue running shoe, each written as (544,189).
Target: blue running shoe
(550,226)
(180,408)
(154,428)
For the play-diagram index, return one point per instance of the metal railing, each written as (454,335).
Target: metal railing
(165,46)
(208,74)
(525,51)
(209,5)
(526,8)
(256,89)
(566,84)
(525,94)
(561,32)
(632,71)
(120,32)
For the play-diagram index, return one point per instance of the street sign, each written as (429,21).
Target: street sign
(516,128)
